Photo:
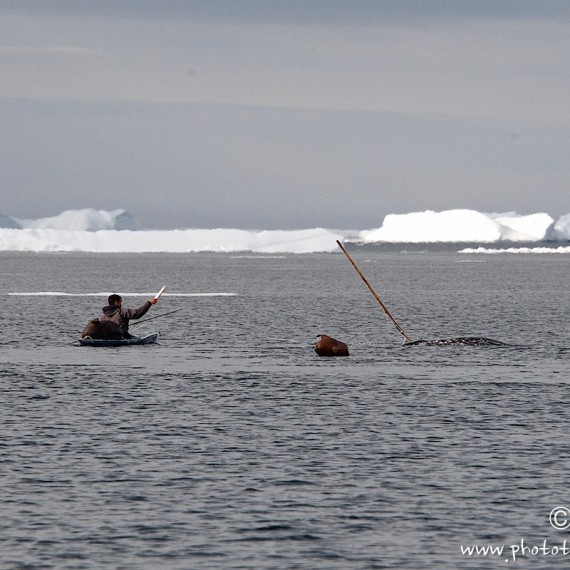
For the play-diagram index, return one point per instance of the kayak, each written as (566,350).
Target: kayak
(135,340)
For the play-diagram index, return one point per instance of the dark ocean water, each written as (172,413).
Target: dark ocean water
(231,444)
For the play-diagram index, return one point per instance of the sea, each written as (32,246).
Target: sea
(231,444)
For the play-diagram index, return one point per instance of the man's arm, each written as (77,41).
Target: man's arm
(138,313)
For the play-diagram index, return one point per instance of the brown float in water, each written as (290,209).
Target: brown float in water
(328,346)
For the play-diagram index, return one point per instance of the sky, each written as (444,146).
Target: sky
(289,114)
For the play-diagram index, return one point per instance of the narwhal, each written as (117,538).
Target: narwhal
(408,341)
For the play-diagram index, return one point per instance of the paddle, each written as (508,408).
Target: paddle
(400,329)
(157,296)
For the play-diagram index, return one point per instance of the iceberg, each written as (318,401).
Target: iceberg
(561,229)
(117,231)
(8,222)
(429,226)
(88,219)
(173,241)
(453,226)
(535,227)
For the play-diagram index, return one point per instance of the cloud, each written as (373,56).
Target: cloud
(43,55)
(477,68)
(315,12)
(56,50)
(266,107)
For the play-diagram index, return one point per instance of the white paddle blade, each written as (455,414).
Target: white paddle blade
(157,296)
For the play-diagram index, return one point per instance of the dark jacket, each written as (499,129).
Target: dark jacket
(122,316)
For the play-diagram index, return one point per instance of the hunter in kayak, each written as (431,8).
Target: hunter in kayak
(115,312)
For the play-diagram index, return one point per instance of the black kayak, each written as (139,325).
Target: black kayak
(135,340)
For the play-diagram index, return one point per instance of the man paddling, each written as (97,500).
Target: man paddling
(115,312)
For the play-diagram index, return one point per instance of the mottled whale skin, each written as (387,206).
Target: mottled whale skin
(458,341)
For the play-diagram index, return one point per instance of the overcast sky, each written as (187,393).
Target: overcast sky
(262,114)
